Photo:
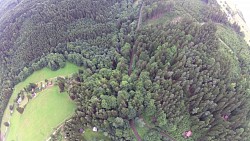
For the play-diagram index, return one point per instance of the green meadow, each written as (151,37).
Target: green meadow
(41,114)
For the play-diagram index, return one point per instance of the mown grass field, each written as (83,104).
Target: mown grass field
(37,76)
(42,114)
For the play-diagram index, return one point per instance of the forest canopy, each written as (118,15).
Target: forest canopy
(168,65)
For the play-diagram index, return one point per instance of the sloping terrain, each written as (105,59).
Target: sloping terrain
(235,17)
(178,65)
(39,112)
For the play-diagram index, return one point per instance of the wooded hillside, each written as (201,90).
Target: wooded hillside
(172,62)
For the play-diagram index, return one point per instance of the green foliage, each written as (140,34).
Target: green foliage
(20,110)
(55,61)
(152,136)
(89,135)
(37,76)
(6,124)
(185,73)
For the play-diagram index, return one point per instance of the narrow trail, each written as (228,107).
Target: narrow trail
(165,133)
(140,17)
(131,122)
(132,125)
(59,127)
(225,45)
(131,62)
(132,52)
(55,132)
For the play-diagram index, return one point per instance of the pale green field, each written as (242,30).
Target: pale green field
(41,115)
(37,76)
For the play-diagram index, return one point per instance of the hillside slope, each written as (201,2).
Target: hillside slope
(171,66)
(235,16)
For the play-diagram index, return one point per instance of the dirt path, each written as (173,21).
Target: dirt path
(131,122)
(164,134)
(140,17)
(132,52)
(132,125)
(131,62)
(55,132)
(59,127)
(225,45)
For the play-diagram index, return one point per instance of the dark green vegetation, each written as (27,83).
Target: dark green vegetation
(173,64)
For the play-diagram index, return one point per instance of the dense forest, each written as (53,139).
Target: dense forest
(180,63)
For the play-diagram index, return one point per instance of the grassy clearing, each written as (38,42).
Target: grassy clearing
(229,4)
(231,38)
(89,135)
(182,9)
(41,116)
(142,131)
(175,131)
(46,73)
(235,48)
(37,76)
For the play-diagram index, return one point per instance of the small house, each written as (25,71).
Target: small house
(43,86)
(187,134)
(19,100)
(81,130)
(94,129)
(34,95)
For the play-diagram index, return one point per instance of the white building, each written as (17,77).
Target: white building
(19,100)
(94,129)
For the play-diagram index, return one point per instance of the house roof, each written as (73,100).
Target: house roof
(19,99)
(189,133)
(94,129)
(81,130)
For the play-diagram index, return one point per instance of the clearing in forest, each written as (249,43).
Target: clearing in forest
(90,135)
(41,114)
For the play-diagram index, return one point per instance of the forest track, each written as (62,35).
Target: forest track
(131,122)
(140,17)
(165,133)
(132,126)
(58,128)
(131,62)
(229,48)
(132,52)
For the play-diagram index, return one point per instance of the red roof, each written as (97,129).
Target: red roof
(188,133)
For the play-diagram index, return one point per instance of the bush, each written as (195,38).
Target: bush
(11,107)
(29,96)
(7,124)
(20,110)
(139,122)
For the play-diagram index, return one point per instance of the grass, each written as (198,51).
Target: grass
(236,18)
(46,73)
(175,131)
(89,135)
(37,76)
(235,48)
(142,131)
(188,9)
(41,116)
